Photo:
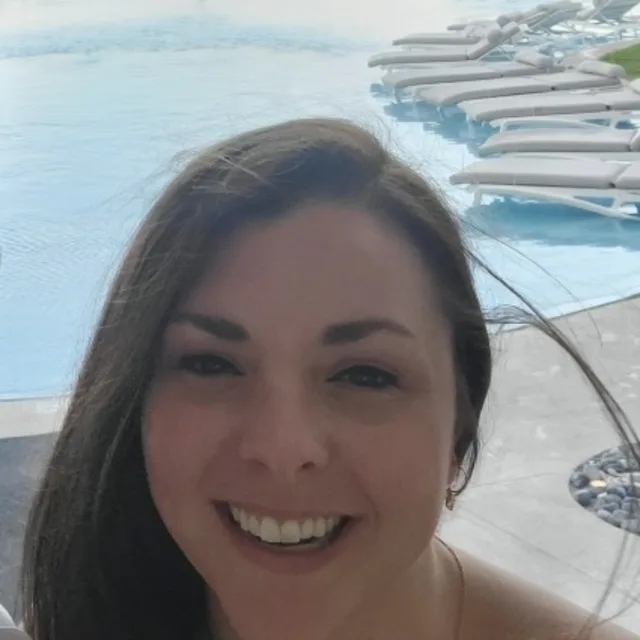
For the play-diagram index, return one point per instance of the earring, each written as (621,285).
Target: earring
(450,499)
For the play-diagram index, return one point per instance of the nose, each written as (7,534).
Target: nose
(282,435)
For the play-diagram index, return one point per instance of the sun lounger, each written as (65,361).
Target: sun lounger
(589,74)
(540,21)
(516,16)
(601,142)
(546,24)
(580,183)
(524,63)
(490,43)
(587,105)
(470,35)
(607,11)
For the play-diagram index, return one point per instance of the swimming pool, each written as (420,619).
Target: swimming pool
(96,105)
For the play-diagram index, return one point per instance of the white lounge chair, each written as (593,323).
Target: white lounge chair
(583,184)
(607,11)
(541,21)
(589,74)
(524,63)
(556,108)
(606,18)
(491,43)
(548,24)
(603,143)
(516,16)
(468,36)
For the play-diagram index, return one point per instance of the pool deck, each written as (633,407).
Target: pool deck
(541,421)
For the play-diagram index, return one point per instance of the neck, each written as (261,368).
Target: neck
(423,603)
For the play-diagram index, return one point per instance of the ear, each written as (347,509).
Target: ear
(454,470)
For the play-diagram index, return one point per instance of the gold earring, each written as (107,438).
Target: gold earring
(450,499)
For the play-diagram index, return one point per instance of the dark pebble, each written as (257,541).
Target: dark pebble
(579,480)
(604,515)
(617,491)
(609,498)
(592,471)
(627,507)
(584,497)
(618,517)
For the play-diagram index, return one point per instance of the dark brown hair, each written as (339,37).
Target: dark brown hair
(98,561)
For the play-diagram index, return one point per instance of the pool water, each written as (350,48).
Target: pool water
(98,102)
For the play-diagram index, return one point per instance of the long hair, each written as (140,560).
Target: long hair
(98,561)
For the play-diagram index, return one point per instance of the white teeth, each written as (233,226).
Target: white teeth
(290,532)
(306,529)
(287,532)
(269,530)
(254,526)
(244,521)
(320,527)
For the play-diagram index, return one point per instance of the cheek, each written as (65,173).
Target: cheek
(177,447)
(406,466)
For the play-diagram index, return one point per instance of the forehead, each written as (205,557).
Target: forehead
(318,264)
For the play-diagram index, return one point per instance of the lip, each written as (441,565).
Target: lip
(280,561)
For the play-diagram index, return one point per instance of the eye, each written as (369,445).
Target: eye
(207,365)
(367,376)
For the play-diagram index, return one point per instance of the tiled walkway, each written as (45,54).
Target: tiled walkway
(541,421)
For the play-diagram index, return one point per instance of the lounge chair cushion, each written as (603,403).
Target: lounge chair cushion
(435,75)
(625,99)
(494,35)
(575,80)
(437,54)
(542,172)
(535,59)
(629,179)
(461,73)
(508,31)
(600,68)
(480,49)
(461,37)
(570,140)
(634,143)
(514,16)
(447,94)
(533,105)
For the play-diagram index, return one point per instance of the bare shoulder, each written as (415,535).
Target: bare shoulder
(501,606)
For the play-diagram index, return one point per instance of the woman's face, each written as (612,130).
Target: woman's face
(299,431)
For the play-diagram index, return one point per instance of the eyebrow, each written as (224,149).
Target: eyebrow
(356,330)
(214,325)
(333,335)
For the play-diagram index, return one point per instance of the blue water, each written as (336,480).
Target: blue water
(97,101)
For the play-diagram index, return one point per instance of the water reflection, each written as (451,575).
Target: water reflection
(553,225)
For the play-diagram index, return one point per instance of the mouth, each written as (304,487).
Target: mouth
(285,536)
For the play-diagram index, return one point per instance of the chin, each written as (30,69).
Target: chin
(285,620)
(262,606)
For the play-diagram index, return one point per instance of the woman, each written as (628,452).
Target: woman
(283,391)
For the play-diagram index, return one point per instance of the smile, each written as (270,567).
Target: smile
(309,532)
(307,541)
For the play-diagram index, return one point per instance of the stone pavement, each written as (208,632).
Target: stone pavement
(541,421)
